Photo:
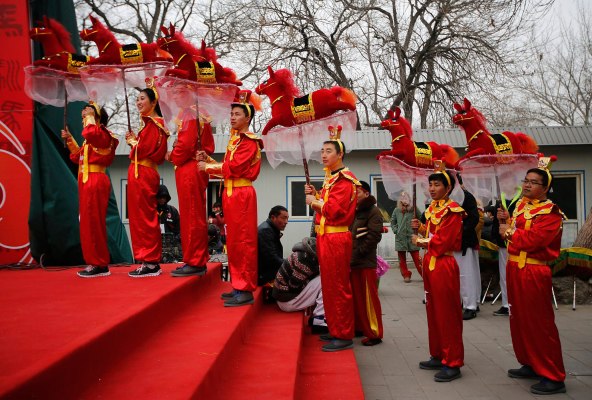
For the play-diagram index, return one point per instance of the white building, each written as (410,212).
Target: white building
(284,185)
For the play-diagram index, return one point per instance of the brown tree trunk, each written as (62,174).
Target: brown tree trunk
(584,238)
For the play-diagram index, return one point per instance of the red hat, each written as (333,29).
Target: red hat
(247,98)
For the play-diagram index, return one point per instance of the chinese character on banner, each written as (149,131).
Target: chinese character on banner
(16,126)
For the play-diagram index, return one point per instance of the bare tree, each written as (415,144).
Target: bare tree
(558,81)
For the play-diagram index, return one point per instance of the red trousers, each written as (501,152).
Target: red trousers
(240,215)
(93,202)
(405,273)
(334,251)
(532,320)
(191,189)
(367,310)
(143,215)
(443,308)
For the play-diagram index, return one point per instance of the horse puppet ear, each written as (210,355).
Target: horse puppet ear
(458,107)
(467,104)
(390,114)
(270,70)
(397,112)
(164,30)
(172,29)
(45,22)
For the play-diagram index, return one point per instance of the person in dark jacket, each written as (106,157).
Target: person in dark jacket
(170,226)
(468,258)
(366,232)
(270,249)
(168,215)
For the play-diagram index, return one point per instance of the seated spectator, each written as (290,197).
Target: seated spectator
(270,249)
(297,284)
(215,245)
(216,217)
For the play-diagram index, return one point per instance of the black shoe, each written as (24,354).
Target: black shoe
(358,334)
(371,342)
(319,330)
(189,270)
(92,271)
(228,295)
(326,338)
(432,363)
(503,311)
(447,374)
(338,345)
(547,386)
(524,372)
(469,314)
(241,298)
(145,270)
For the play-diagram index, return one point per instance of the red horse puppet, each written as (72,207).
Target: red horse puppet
(416,154)
(288,109)
(112,52)
(192,63)
(57,47)
(481,142)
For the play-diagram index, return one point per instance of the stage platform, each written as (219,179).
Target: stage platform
(64,337)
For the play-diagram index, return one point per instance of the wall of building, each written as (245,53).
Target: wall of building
(272,186)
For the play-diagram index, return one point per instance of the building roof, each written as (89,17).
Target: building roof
(543,135)
(375,139)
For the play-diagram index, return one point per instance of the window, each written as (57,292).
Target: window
(297,207)
(123,197)
(386,205)
(568,194)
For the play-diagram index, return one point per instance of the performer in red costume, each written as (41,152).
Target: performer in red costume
(149,148)
(441,277)
(534,240)
(94,187)
(335,208)
(241,166)
(191,183)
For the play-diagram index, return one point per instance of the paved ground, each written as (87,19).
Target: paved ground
(390,370)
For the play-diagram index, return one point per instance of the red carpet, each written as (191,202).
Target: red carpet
(151,338)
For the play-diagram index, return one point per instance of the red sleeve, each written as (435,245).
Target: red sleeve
(340,201)
(207,139)
(185,148)
(542,232)
(448,237)
(241,161)
(75,157)
(97,136)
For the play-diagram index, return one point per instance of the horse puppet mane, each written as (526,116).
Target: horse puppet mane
(62,35)
(285,79)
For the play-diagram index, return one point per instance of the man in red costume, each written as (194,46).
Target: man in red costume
(534,240)
(148,150)
(241,166)
(441,277)
(335,208)
(191,183)
(93,158)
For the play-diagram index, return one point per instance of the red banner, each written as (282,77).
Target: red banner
(16,128)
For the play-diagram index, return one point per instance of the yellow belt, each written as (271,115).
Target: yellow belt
(331,229)
(236,182)
(432,264)
(146,163)
(91,168)
(522,260)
